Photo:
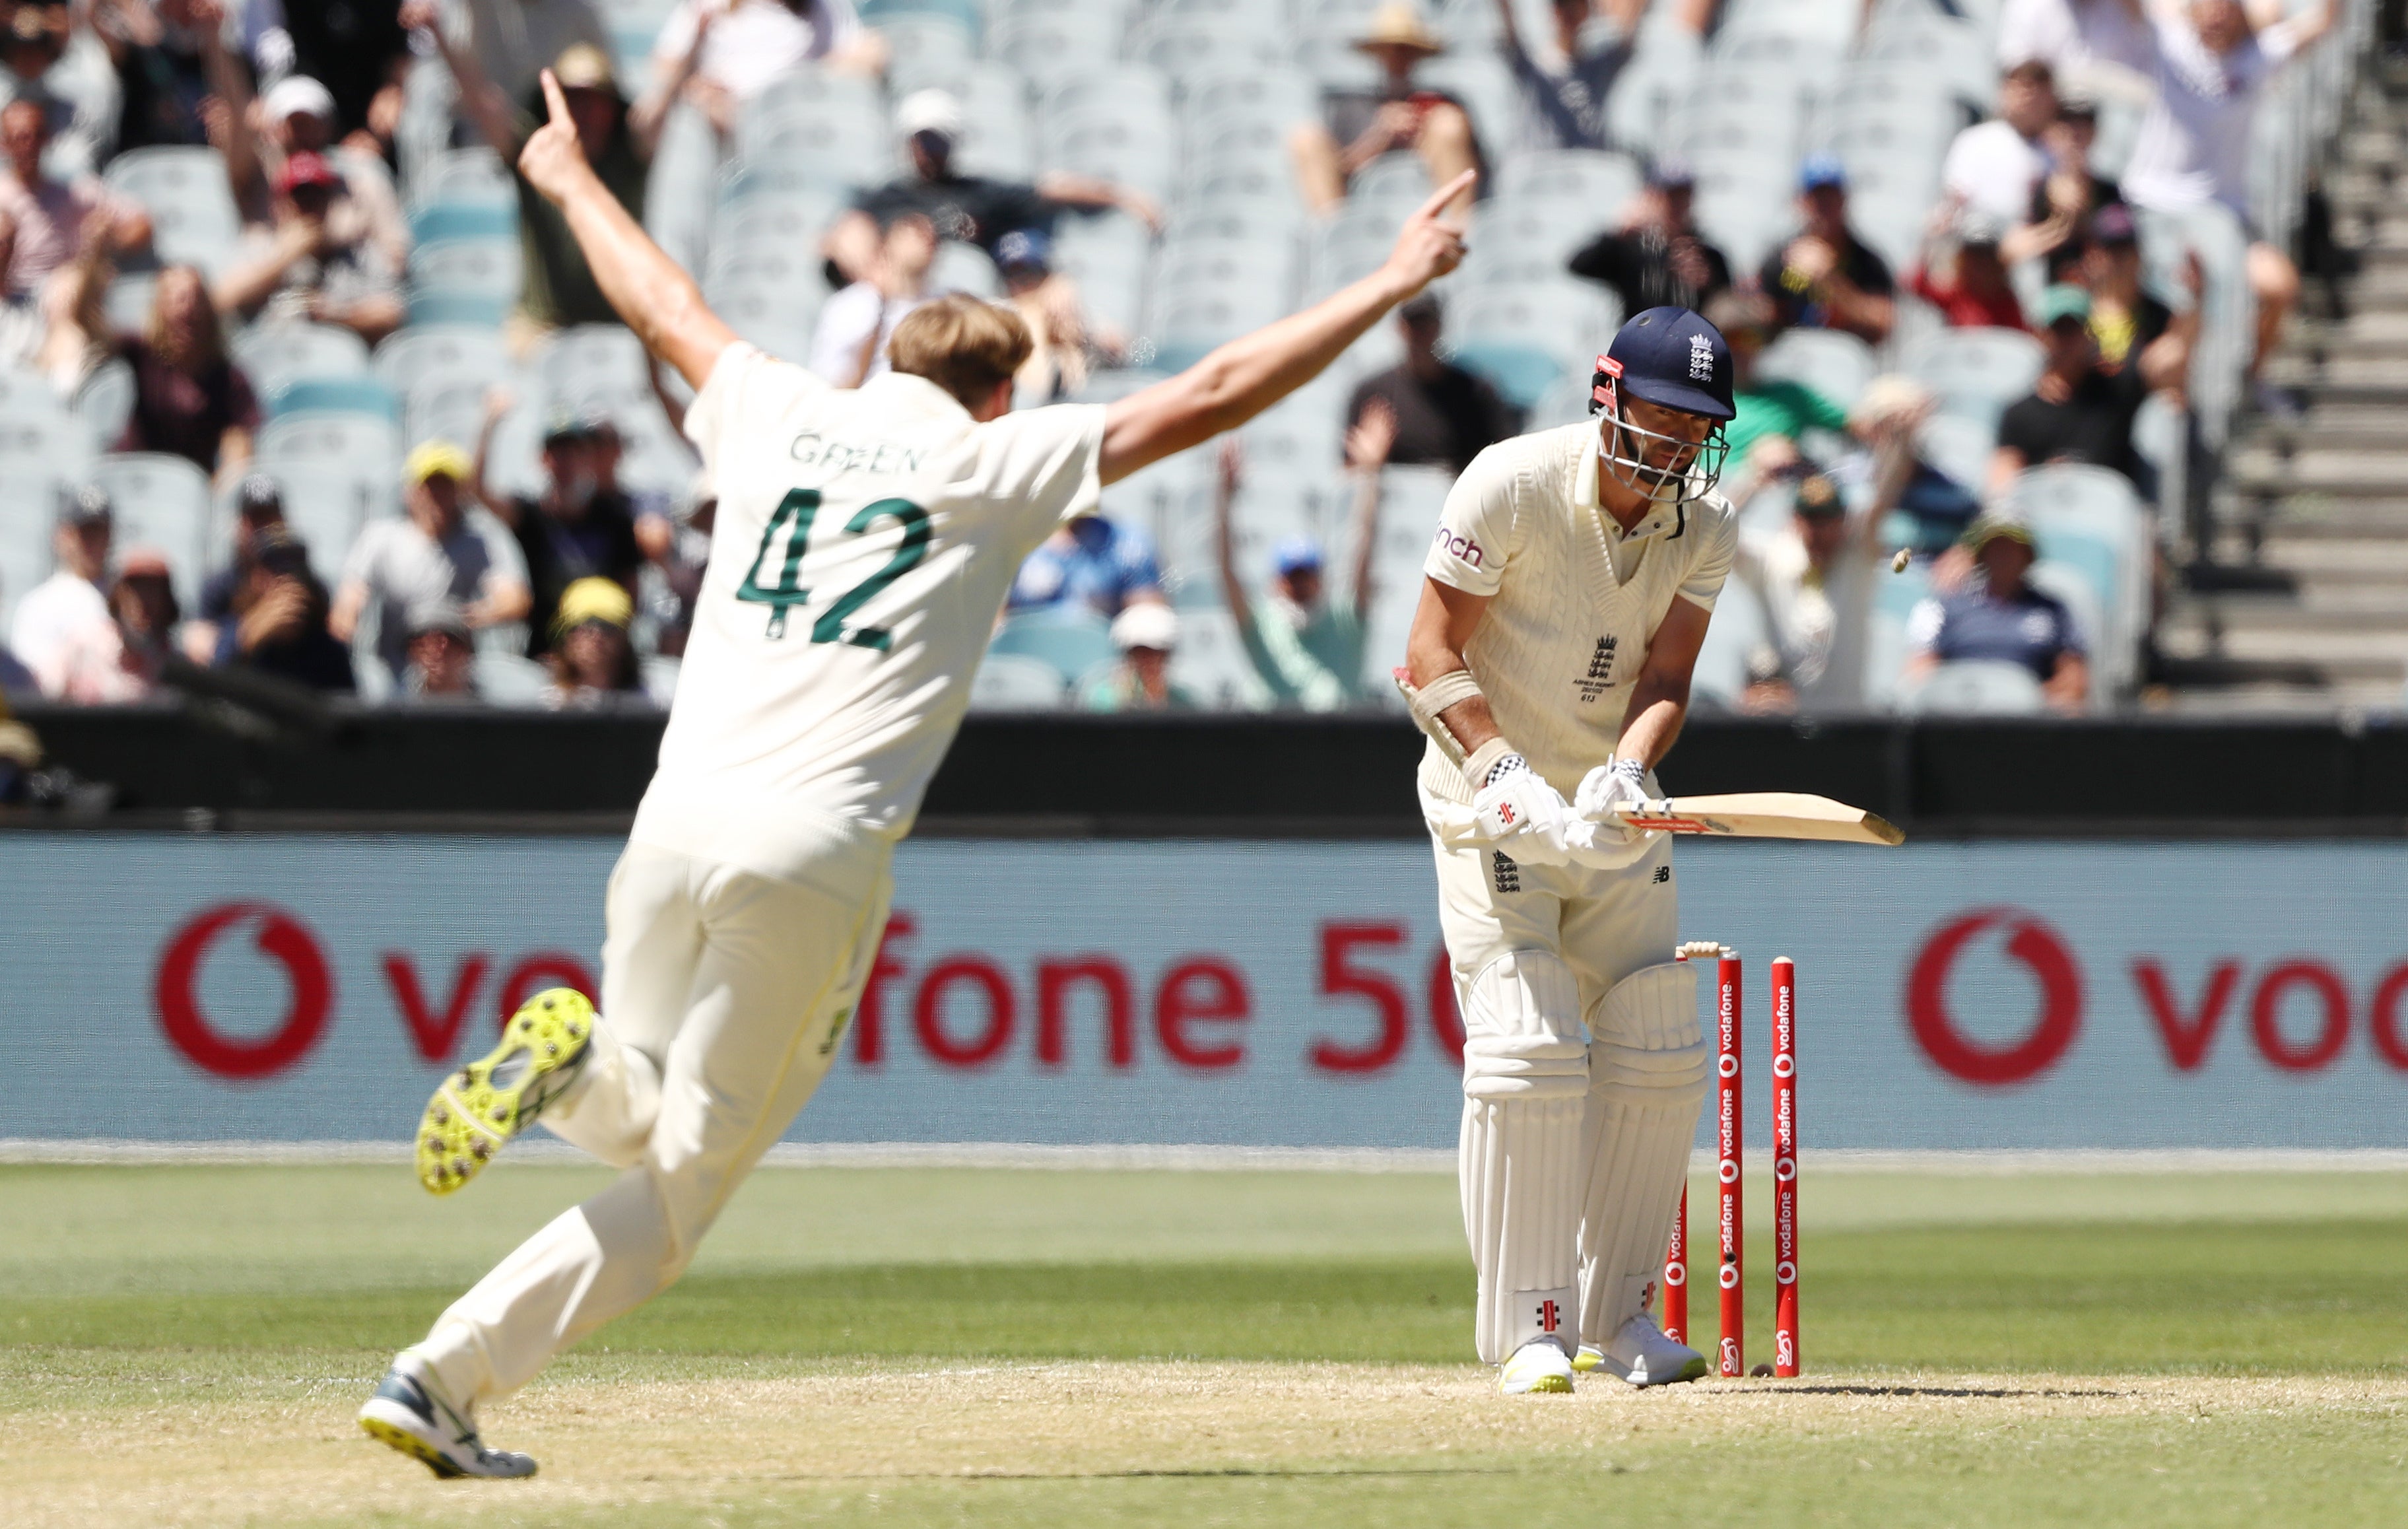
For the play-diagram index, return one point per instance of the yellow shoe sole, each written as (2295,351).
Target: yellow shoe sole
(488,1101)
(411,1445)
(1546,1385)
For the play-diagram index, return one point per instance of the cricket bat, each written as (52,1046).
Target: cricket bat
(1742,815)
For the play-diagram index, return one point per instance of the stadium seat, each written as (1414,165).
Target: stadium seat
(1596,181)
(105,402)
(466,176)
(47,445)
(1049,47)
(1648,110)
(1832,361)
(193,216)
(327,504)
(487,269)
(1071,640)
(272,356)
(363,395)
(1974,687)
(1279,95)
(1191,261)
(1959,447)
(1187,324)
(1011,682)
(1106,254)
(962,13)
(508,680)
(965,268)
(998,137)
(1211,661)
(1134,144)
(1524,338)
(163,501)
(28,510)
(435,222)
(828,126)
(1738,629)
(923,43)
(1219,147)
(1131,86)
(1391,187)
(362,445)
(1976,373)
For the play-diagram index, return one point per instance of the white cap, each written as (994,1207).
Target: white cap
(298,94)
(1145,624)
(929,111)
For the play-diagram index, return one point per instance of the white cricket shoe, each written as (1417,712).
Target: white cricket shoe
(1642,1355)
(409,1414)
(1539,1366)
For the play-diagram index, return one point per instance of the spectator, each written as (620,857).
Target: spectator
(442,657)
(442,549)
(2077,412)
(1444,415)
(676,551)
(63,630)
(1968,284)
(1993,166)
(1563,98)
(1147,635)
(557,288)
(849,341)
(2133,328)
(17,681)
(573,530)
(1825,277)
(1893,409)
(190,400)
(359,56)
(1816,579)
(1764,408)
(2193,145)
(1401,116)
(1093,564)
(592,661)
(2067,198)
(969,209)
(47,53)
(511,41)
(299,117)
(320,261)
(1306,648)
(2102,46)
(68,322)
(1657,258)
(1064,341)
(51,217)
(2000,616)
(258,508)
(719,55)
(142,600)
(279,624)
(178,78)
(24,330)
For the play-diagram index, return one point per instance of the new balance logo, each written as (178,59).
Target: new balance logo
(1663,875)
(1599,678)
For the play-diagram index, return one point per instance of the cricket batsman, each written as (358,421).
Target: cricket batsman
(863,544)
(1567,593)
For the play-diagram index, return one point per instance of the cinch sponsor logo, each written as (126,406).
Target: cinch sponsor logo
(1459,546)
(2300,1013)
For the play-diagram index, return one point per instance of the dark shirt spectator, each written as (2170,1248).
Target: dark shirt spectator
(258,508)
(2076,412)
(577,529)
(2135,332)
(189,399)
(1657,258)
(171,61)
(1998,616)
(279,619)
(359,53)
(2068,198)
(1444,415)
(1091,562)
(1825,277)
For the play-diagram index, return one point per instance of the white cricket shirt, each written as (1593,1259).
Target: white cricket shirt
(864,542)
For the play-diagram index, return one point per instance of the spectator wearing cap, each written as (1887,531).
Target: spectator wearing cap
(557,288)
(1825,277)
(1146,634)
(299,117)
(442,657)
(1305,648)
(63,630)
(1564,94)
(1064,341)
(279,622)
(592,659)
(1091,564)
(1657,258)
(319,262)
(1444,415)
(443,548)
(1764,408)
(2076,412)
(969,209)
(1964,276)
(190,399)
(2134,330)
(2068,198)
(52,216)
(849,340)
(142,600)
(1992,167)
(1401,116)
(575,528)
(2001,617)
(719,55)
(359,53)
(258,507)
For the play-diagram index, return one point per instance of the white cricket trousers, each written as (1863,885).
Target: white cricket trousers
(724,997)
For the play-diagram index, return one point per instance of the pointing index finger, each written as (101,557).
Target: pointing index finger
(554,102)
(1448,192)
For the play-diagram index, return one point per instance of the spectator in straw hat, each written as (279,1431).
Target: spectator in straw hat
(1401,116)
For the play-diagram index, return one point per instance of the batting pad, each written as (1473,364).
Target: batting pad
(1648,1067)
(1525,1084)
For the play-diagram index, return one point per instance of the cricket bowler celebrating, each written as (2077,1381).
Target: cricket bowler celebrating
(863,544)
(1568,591)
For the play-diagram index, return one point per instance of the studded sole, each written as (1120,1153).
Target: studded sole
(472,1113)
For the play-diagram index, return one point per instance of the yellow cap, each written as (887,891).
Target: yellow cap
(592,599)
(436,459)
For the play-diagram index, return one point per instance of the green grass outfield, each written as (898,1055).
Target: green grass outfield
(185,1345)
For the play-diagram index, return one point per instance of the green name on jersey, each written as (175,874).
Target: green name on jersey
(795,512)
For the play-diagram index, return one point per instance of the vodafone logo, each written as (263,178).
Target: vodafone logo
(278,936)
(2052,1030)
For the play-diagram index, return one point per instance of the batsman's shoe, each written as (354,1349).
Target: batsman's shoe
(1642,1355)
(407,1413)
(487,1103)
(1539,1366)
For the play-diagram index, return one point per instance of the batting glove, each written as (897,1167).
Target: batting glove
(1598,840)
(1521,814)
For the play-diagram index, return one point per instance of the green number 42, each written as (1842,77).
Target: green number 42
(795,512)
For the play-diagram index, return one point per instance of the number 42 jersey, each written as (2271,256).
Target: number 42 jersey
(862,546)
